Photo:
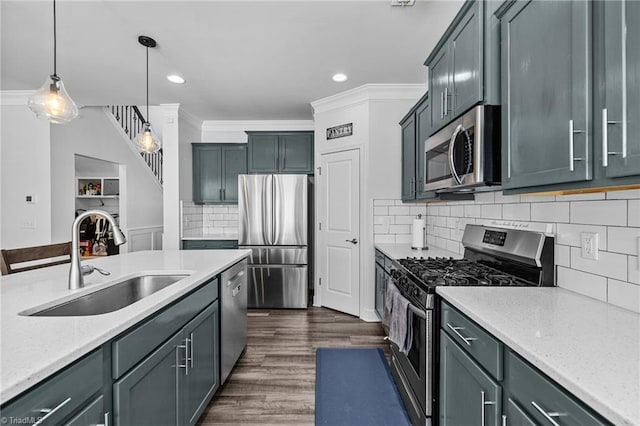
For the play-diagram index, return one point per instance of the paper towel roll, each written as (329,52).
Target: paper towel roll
(418,233)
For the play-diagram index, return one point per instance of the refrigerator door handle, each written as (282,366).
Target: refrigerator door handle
(267,209)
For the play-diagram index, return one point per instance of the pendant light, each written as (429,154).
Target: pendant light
(51,101)
(147,141)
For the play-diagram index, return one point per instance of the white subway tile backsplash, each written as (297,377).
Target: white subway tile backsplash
(471,211)
(403,239)
(485,198)
(624,240)
(457,211)
(399,210)
(384,203)
(452,222)
(634,269)
(404,220)
(380,229)
(581,282)
(491,211)
(453,246)
(384,239)
(516,211)
(623,195)
(501,198)
(612,265)
(550,212)
(605,212)
(443,232)
(562,255)
(623,294)
(634,212)
(400,229)
(416,210)
(381,211)
(569,234)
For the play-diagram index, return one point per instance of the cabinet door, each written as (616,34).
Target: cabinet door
(296,153)
(468,396)
(546,93)
(207,172)
(621,110)
(202,378)
(234,163)
(263,154)
(409,158)
(439,89)
(423,130)
(466,60)
(516,416)
(379,290)
(148,394)
(92,414)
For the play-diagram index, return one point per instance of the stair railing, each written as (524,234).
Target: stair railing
(132,122)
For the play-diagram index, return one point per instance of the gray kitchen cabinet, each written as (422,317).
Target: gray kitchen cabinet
(174,384)
(423,130)
(92,414)
(381,281)
(409,158)
(209,244)
(72,390)
(203,374)
(439,87)
(468,395)
(620,106)
(546,92)
(215,172)
(280,152)
(475,372)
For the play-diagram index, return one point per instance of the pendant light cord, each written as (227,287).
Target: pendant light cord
(147,84)
(54,39)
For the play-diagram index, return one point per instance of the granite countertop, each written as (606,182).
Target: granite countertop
(589,347)
(400,251)
(32,348)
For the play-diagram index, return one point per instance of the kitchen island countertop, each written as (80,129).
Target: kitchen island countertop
(33,348)
(589,347)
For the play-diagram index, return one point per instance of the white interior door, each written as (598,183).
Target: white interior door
(339,251)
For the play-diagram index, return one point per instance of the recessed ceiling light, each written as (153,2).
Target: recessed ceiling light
(174,78)
(339,78)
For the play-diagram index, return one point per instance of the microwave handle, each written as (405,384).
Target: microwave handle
(452,143)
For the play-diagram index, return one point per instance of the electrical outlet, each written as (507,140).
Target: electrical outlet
(29,223)
(589,245)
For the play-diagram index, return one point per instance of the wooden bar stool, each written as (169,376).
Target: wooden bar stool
(52,252)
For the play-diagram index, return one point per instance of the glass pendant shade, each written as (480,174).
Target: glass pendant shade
(52,102)
(147,141)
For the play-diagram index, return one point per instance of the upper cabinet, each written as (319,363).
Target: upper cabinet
(215,172)
(463,64)
(280,152)
(570,93)
(620,106)
(546,85)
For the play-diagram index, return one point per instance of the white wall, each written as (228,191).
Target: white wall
(188,133)
(24,169)
(92,134)
(375,111)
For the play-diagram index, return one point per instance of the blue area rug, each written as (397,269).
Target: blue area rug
(354,387)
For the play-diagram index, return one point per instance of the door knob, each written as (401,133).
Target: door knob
(353,241)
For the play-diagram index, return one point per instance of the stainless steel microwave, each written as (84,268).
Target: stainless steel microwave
(466,153)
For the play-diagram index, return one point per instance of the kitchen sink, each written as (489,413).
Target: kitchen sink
(112,298)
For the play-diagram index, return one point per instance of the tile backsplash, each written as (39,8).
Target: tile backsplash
(201,220)
(392,220)
(614,216)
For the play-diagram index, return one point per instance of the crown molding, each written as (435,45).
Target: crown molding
(255,125)
(15,97)
(190,118)
(369,92)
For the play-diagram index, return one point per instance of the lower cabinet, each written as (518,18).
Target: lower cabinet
(174,384)
(209,244)
(475,390)
(383,270)
(468,395)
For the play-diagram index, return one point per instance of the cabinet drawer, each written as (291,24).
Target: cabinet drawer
(486,350)
(539,396)
(92,414)
(209,244)
(132,347)
(388,264)
(59,396)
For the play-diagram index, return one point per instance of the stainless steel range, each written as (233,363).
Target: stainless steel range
(492,257)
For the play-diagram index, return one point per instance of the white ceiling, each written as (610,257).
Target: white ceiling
(243,60)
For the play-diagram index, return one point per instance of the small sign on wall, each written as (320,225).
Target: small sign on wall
(340,131)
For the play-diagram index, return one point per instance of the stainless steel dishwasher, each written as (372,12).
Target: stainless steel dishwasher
(233,339)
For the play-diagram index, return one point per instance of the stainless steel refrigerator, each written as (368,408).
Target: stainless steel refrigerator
(273,214)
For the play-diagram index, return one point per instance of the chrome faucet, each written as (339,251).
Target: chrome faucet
(77,273)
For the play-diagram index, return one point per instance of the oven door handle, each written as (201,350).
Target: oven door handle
(417,311)
(452,144)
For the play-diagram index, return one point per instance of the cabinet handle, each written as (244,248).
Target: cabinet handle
(191,351)
(466,340)
(50,411)
(224,193)
(605,139)
(504,420)
(548,416)
(441,105)
(106,420)
(185,365)
(446,101)
(220,193)
(484,404)
(571,157)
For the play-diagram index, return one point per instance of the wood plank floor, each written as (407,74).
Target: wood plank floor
(273,383)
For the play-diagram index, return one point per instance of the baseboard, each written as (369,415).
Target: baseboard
(369,315)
